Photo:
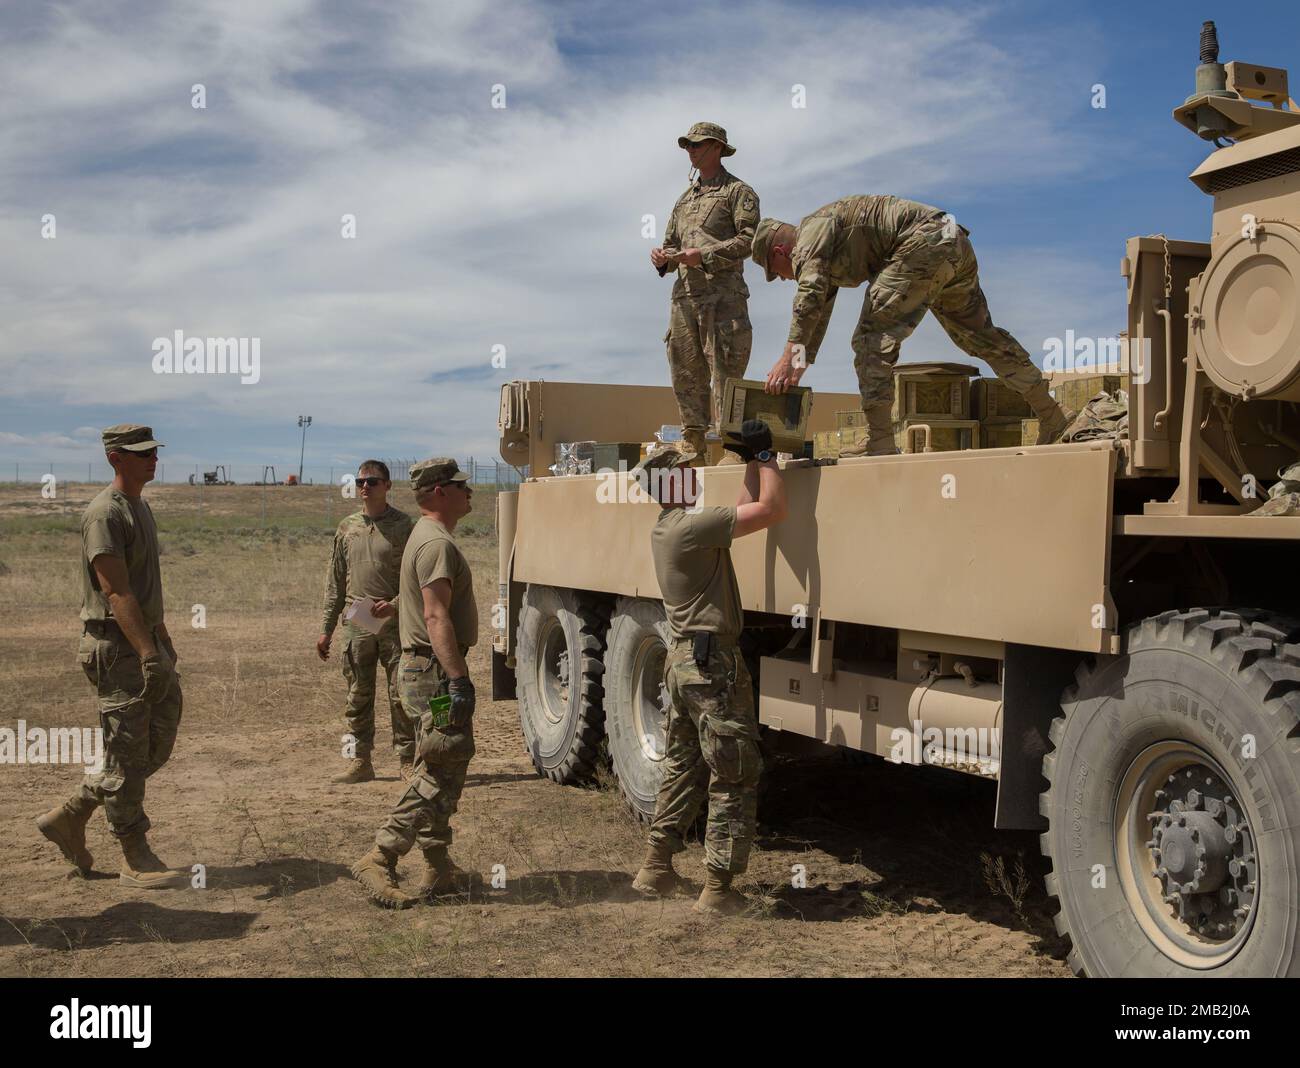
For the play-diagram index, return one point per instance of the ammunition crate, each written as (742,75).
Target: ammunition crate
(1029,431)
(1001,433)
(785,413)
(1075,391)
(844,420)
(827,443)
(939,396)
(994,399)
(946,435)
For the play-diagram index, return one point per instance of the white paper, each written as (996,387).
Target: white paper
(361,614)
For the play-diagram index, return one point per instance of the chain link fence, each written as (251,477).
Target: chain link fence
(489,474)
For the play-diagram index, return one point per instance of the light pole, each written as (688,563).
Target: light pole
(304,421)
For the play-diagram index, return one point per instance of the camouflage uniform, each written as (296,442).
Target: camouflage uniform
(138,736)
(712,751)
(709,335)
(364,563)
(916,258)
(423,813)
(712,732)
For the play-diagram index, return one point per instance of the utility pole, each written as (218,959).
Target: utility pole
(304,421)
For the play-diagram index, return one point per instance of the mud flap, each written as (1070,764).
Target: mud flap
(1032,682)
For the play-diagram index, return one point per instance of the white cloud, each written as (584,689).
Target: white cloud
(475,226)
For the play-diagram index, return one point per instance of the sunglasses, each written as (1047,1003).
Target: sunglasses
(372,480)
(144,454)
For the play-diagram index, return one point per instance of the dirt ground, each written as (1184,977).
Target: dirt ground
(898,860)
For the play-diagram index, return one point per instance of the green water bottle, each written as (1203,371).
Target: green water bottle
(441,709)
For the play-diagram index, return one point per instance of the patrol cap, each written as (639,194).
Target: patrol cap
(666,459)
(428,473)
(764,235)
(707,131)
(129,437)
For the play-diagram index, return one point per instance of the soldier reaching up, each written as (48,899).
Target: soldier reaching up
(712,746)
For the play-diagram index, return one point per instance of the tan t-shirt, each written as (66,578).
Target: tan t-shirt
(121,526)
(692,555)
(430,555)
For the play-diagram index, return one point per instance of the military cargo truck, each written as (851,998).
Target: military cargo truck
(1110,614)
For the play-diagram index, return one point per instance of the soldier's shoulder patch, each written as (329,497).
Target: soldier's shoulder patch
(748,202)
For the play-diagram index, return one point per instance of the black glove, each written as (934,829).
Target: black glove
(461,691)
(755,436)
(158,674)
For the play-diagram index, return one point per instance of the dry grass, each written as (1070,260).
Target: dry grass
(247,795)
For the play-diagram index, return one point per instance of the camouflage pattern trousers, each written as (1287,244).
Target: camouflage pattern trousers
(934,268)
(423,813)
(712,752)
(708,339)
(138,737)
(363,654)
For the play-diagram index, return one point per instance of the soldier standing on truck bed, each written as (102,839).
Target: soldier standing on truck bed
(712,745)
(915,257)
(127,654)
(365,562)
(707,240)
(438,623)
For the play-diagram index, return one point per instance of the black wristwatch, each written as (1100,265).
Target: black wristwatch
(764,456)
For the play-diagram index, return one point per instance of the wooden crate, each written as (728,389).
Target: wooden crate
(1001,433)
(1075,391)
(946,435)
(850,419)
(992,398)
(828,443)
(939,396)
(785,413)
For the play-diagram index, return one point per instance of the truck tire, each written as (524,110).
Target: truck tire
(1174,800)
(560,665)
(636,704)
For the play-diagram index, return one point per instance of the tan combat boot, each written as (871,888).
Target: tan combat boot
(880,435)
(717,898)
(142,869)
(693,438)
(1053,420)
(441,875)
(359,769)
(65,826)
(656,877)
(377,872)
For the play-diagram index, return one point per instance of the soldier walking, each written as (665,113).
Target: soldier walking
(437,619)
(712,746)
(129,658)
(916,258)
(365,562)
(707,240)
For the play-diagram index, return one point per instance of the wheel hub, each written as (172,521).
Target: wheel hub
(1202,851)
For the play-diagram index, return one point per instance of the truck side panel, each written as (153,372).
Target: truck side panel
(1005,544)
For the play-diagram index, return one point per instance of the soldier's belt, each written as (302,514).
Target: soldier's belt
(427,650)
(107,629)
(703,643)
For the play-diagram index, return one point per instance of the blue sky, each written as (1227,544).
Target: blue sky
(520,226)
